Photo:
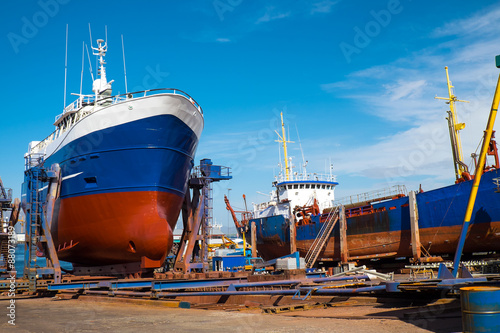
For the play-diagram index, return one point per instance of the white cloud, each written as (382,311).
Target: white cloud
(402,92)
(404,89)
(223,40)
(480,23)
(271,14)
(332,87)
(323,6)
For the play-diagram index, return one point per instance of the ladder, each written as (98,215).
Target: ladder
(40,208)
(322,237)
(34,210)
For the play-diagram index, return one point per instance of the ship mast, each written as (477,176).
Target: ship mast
(282,139)
(455,128)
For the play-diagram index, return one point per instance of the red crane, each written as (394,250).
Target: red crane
(245,215)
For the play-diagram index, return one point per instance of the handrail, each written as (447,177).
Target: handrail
(122,97)
(90,100)
(322,237)
(373,196)
(307,177)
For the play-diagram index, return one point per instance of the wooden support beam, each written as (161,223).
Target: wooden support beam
(344,251)
(190,232)
(415,233)
(53,192)
(254,239)
(293,234)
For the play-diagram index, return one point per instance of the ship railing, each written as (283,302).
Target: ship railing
(373,196)
(143,93)
(496,181)
(77,104)
(215,171)
(45,142)
(33,160)
(90,99)
(5,195)
(307,177)
(84,100)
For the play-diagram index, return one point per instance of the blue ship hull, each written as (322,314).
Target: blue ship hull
(383,229)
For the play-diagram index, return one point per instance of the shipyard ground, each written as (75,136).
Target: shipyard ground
(346,314)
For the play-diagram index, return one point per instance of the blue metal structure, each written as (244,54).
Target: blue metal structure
(38,183)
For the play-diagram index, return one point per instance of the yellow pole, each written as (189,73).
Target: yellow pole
(457,127)
(477,177)
(284,147)
(244,243)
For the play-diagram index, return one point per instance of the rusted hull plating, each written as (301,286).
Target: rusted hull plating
(383,229)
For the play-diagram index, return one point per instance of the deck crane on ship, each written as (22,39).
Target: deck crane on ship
(461,169)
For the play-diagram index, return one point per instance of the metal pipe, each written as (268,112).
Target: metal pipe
(320,291)
(96,292)
(477,178)
(231,293)
(119,293)
(266,283)
(165,285)
(341,278)
(332,291)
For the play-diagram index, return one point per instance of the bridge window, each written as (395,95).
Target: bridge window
(296,186)
(289,187)
(307,185)
(301,186)
(323,187)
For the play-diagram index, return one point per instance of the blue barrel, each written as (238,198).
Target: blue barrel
(480,309)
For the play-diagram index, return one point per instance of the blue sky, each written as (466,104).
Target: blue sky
(356,78)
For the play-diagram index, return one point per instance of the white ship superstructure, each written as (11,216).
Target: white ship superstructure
(294,190)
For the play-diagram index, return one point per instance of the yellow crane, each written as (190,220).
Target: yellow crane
(455,127)
(282,139)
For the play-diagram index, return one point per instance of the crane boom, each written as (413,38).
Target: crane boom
(233,214)
(455,128)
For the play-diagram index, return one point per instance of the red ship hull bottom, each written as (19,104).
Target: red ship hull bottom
(481,237)
(115,228)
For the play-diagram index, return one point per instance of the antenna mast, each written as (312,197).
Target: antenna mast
(65,67)
(304,162)
(455,128)
(90,63)
(81,75)
(90,33)
(124,67)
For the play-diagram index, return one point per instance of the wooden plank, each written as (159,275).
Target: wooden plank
(344,251)
(293,244)
(415,234)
